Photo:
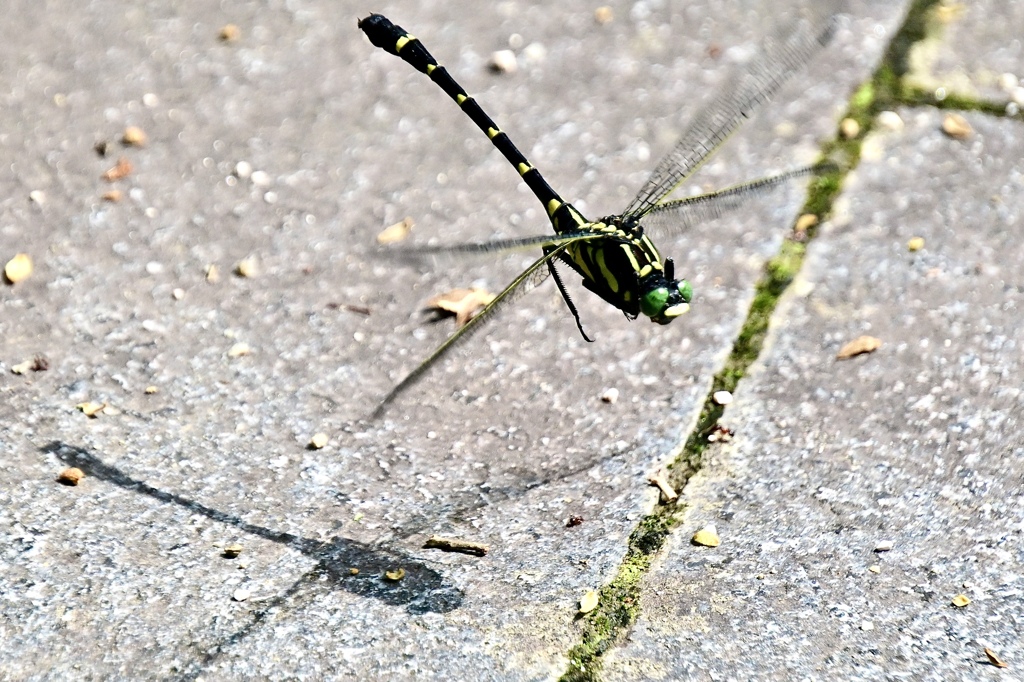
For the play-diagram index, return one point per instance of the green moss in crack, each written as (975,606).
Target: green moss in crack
(619,603)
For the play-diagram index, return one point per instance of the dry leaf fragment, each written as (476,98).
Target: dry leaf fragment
(91,409)
(860,345)
(589,601)
(121,170)
(604,15)
(961,600)
(113,196)
(232,551)
(396,575)
(353,571)
(395,233)
(456,545)
(707,537)
(18,268)
(956,126)
(994,659)
(463,303)
(133,137)
(22,367)
(70,476)
(915,244)
(318,441)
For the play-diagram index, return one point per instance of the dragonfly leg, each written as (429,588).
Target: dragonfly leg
(568,301)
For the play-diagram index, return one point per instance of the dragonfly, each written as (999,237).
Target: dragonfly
(615,255)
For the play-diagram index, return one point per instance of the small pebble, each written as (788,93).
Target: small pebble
(229,33)
(722,397)
(610,396)
(805,222)
(915,244)
(238,350)
(707,537)
(589,601)
(260,178)
(37,196)
(232,551)
(243,170)
(18,268)
(890,120)
(849,128)
(956,126)
(503,61)
(71,476)
(884,546)
(246,267)
(318,441)
(604,15)
(241,594)
(961,600)
(1007,81)
(535,53)
(133,137)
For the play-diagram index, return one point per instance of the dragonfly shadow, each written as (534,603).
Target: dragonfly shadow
(421,590)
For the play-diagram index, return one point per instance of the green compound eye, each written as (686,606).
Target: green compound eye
(653,302)
(685,290)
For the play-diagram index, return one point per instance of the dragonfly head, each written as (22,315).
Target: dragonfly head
(664,298)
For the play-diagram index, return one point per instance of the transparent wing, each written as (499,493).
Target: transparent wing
(778,56)
(527,280)
(495,246)
(674,217)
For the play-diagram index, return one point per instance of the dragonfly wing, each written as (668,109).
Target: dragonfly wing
(527,280)
(674,217)
(778,56)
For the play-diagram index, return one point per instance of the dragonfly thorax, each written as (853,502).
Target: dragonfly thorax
(626,270)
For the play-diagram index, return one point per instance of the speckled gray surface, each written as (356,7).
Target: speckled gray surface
(978,53)
(920,444)
(122,576)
